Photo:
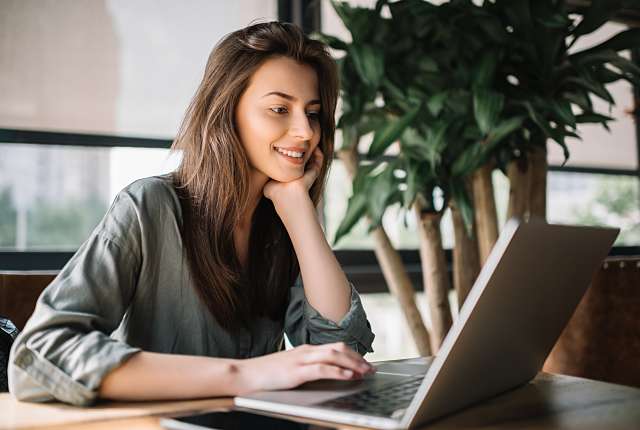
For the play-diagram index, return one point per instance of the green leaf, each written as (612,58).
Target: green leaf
(541,122)
(627,39)
(599,12)
(492,27)
(415,95)
(368,62)
(357,204)
(380,4)
(361,181)
(559,138)
(381,189)
(485,70)
(592,117)
(562,110)
(435,143)
(390,132)
(606,75)
(428,65)
(415,149)
(332,41)
(359,21)
(371,120)
(580,99)
(413,184)
(435,103)
(555,21)
(592,86)
(393,90)
(468,160)
(477,153)
(609,57)
(502,130)
(487,106)
(356,209)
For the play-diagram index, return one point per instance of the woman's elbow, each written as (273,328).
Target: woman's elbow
(24,388)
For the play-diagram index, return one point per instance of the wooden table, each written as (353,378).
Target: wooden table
(548,402)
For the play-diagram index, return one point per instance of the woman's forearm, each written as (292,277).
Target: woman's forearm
(155,376)
(325,284)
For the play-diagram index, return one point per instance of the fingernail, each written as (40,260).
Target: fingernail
(348,373)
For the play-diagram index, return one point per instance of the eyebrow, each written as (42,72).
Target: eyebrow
(289,97)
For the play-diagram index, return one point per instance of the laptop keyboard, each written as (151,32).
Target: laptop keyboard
(380,401)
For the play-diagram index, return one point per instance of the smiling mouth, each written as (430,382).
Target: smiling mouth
(292,154)
(295,157)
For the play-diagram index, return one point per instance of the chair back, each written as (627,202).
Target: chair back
(602,339)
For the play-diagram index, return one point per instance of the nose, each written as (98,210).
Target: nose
(300,127)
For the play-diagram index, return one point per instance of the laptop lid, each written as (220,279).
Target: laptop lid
(523,298)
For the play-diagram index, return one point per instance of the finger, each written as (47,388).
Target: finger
(313,372)
(334,358)
(343,347)
(315,159)
(310,175)
(343,358)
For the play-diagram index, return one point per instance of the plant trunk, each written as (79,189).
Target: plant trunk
(394,272)
(485,210)
(465,257)
(434,272)
(519,174)
(538,193)
(400,286)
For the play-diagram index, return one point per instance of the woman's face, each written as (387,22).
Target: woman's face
(278,118)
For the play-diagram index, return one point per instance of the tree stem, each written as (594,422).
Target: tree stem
(434,272)
(485,211)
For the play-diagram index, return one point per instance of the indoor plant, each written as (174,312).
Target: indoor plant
(460,89)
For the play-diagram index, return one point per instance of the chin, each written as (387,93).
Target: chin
(281,176)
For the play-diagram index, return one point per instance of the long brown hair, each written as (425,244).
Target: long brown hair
(212,180)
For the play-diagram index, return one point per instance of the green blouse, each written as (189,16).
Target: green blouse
(128,289)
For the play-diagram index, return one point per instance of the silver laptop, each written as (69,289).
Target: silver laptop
(524,296)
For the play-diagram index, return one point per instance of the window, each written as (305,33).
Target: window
(52,196)
(112,68)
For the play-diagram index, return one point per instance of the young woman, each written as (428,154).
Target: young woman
(188,284)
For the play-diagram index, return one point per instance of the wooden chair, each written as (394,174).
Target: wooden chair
(19,292)
(602,339)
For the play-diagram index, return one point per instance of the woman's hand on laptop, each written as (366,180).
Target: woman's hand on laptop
(288,369)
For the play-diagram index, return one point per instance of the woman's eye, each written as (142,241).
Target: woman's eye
(314,116)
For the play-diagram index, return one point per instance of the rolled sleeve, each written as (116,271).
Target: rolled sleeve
(65,349)
(304,324)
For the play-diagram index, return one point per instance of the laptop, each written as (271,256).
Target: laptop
(521,301)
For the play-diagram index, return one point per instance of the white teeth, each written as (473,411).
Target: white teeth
(290,153)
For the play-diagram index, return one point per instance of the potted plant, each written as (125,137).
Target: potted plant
(460,89)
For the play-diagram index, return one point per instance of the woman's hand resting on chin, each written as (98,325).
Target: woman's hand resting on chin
(288,369)
(279,192)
